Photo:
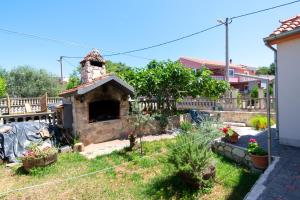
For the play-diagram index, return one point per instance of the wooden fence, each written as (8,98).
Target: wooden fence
(17,105)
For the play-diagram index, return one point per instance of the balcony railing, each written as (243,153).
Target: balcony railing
(218,77)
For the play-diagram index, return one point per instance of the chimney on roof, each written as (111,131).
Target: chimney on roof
(92,67)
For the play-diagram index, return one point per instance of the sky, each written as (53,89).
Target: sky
(118,25)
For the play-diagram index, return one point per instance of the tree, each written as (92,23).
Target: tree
(266,70)
(26,81)
(74,78)
(170,81)
(2,87)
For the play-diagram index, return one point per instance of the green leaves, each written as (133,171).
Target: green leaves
(170,81)
(26,81)
(2,87)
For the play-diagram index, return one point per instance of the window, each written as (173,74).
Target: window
(231,72)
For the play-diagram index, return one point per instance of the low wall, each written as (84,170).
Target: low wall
(119,129)
(238,116)
(233,152)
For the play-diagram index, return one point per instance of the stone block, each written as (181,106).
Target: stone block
(78,147)
(247,157)
(220,148)
(228,148)
(65,149)
(228,154)
(238,152)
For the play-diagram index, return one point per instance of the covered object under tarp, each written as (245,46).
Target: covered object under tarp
(15,137)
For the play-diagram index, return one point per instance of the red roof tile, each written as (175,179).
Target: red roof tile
(288,25)
(213,63)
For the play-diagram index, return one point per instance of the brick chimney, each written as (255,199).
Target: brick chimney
(92,67)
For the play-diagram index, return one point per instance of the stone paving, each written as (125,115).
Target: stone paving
(283,182)
(93,150)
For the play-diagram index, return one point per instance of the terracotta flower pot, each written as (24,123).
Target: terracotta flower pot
(259,162)
(233,138)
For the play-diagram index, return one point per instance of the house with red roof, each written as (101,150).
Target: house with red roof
(218,69)
(285,42)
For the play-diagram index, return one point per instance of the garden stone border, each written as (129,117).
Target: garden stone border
(233,152)
(241,156)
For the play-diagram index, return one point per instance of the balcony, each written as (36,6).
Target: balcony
(218,77)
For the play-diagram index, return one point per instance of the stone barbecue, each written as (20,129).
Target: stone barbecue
(100,105)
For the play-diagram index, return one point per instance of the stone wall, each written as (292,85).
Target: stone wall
(238,116)
(118,129)
(89,72)
(235,153)
(103,130)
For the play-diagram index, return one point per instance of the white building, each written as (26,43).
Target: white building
(285,42)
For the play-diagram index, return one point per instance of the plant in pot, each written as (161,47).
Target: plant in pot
(259,156)
(38,156)
(230,135)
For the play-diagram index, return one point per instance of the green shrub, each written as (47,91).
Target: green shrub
(210,129)
(260,122)
(191,157)
(186,126)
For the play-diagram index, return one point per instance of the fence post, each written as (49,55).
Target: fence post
(261,99)
(234,97)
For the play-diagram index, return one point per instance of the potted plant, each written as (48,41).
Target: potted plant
(259,156)
(230,135)
(37,156)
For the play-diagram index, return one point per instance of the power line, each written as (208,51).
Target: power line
(144,48)
(34,36)
(263,10)
(63,42)
(167,42)
(196,33)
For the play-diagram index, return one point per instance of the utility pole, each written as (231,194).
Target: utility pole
(61,70)
(227,51)
(226,23)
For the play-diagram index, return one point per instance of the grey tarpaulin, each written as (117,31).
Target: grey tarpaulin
(14,141)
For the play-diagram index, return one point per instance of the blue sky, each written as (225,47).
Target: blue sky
(117,25)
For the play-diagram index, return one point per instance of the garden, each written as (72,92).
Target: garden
(179,168)
(184,167)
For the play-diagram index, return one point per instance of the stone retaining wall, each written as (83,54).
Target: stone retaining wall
(238,116)
(233,152)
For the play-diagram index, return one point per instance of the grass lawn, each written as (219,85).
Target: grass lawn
(150,177)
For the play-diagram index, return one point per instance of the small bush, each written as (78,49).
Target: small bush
(186,126)
(210,129)
(191,157)
(260,122)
